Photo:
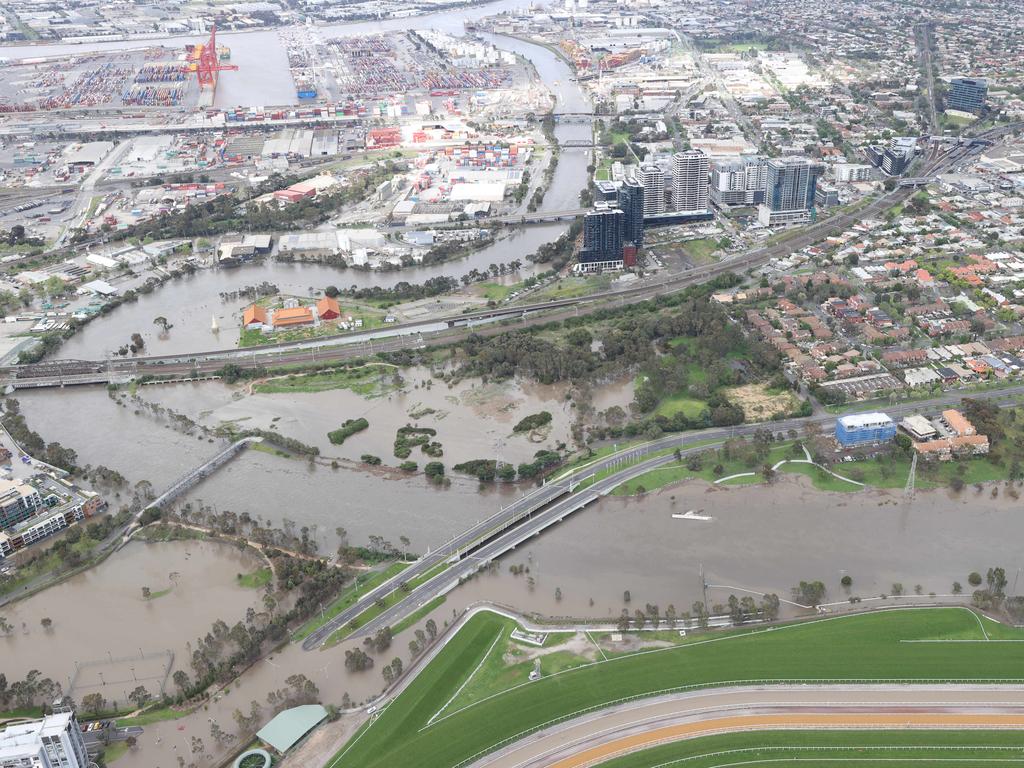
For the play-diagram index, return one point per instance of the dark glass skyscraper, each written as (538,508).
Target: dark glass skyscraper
(631,202)
(602,236)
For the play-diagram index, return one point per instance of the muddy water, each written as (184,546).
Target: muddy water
(473,420)
(764,539)
(100,615)
(141,447)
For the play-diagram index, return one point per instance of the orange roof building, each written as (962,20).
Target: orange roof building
(959,423)
(293,317)
(328,309)
(254,315)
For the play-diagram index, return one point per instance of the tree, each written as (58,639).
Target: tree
(47,622)
(639,619)
(701,612)
(93,703)
(131,742)
(162,322)
(431,627)
(670,616)
(146,593)
(180,678)
(957,588)
(623,623)
(809,592)
(382,640)
(974,579)
(996,580)
(846,581)
(139,696)
(897,589)
(770,606)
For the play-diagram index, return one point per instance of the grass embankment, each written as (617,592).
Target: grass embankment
(50,563)
(367,380)
(572,288)
(364,583)
(255,580)
(414,618)
(851,648)
(895,749)
(396,596)
(150,716)
(677,471)
(113,751)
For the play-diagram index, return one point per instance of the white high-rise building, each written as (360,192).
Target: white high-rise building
(690,181)
(739,183)
(653,179)
(53,742)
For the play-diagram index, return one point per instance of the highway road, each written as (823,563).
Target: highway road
(594,738)
(548,505)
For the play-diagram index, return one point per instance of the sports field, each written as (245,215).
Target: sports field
(866,647)
(894,749)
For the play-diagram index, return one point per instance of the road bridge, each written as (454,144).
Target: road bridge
(565,494)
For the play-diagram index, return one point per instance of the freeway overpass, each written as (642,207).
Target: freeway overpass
(551,503)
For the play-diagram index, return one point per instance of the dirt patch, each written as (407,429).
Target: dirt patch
(630,643)
(578,645)
(324,742)
(759,404)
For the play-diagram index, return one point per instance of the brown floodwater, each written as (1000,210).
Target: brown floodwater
(102,623)
(762,539)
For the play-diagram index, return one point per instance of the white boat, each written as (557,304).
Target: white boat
(691,515)
(213,324)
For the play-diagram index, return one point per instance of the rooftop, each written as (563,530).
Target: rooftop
(287,728)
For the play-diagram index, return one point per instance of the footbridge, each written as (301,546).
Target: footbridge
(200,473)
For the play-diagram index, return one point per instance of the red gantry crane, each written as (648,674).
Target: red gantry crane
(205,62)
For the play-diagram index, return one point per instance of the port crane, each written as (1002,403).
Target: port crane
(205,61)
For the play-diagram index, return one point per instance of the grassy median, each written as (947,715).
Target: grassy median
(850,648)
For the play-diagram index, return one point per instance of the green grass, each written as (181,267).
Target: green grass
(497,292)
(603,174)
(376,610)
(364,583)
(113,751)
(257,579)
(414,618)
(150,716)
(367,380)
(898,748)
(690,407)
(10,714)
(700,251)
(572,288)
(856,647)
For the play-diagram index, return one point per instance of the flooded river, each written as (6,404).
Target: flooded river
(102,623)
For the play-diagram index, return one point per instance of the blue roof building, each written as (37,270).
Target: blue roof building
(864,429)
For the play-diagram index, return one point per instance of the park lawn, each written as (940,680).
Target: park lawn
(495,291)
(821,480)
(112,752)
(677,471)
(371,380)
(893,748)
(700,251)
(364,583)
(573,287)
(257,579)
(414,618)
(150,716)
(690,407)
(853,647)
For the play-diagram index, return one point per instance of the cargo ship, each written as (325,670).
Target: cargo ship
(305,89)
